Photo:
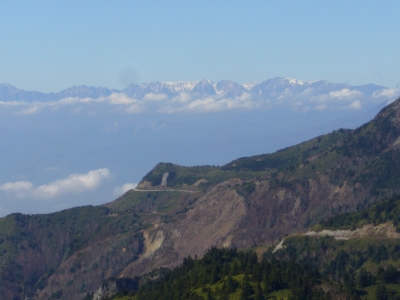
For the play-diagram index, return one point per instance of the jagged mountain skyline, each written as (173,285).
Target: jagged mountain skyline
(204,96)
(104,140)
(202,87)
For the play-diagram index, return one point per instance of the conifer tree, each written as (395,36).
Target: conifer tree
(209,295)
(247,290)
(258,295)
(381,292)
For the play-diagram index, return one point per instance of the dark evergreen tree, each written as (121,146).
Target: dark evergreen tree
(381,292)
(391,275)
(209,295)
(258,295)
(247,289)
(349,282)
(231,285)
(364,278)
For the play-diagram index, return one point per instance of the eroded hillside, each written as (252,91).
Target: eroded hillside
(186,210)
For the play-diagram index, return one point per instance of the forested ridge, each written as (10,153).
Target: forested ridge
(306,267)
(386,210)
(231,274)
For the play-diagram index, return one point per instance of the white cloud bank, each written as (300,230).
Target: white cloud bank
(73,184)
(183,103)
(345,94)
(118,191)
(390,94)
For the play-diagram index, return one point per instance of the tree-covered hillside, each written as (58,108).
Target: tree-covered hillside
(305,267)
(383,211)
(232,274)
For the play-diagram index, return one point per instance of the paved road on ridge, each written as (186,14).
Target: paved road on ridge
(176,190)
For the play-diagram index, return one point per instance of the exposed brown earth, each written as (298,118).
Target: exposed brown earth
(385,230)
(250,202)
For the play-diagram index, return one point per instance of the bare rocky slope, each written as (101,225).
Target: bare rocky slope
(248,202)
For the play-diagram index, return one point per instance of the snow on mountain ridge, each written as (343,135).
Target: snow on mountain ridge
(181,86)
(7,85)
(223,92)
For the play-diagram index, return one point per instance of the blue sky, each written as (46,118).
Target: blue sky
(75,151)
(52,45)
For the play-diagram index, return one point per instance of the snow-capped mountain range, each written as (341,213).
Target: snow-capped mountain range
(200,88)
(85,143)
(207,96)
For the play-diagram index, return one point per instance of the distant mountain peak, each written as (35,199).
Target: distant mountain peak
(270,89)
(7,86)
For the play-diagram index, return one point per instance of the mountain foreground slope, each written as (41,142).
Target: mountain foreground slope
(179,211)
(317,265)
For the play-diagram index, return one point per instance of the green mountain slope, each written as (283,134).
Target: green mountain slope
(303,267)
(383,211)
(229,274)
(183,211)
(308,268)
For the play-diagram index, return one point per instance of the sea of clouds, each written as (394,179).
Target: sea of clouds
(306,100)
(81,151)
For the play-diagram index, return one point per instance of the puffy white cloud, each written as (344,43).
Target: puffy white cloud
(206,104)
(69,100)
(345,94)
(18,189)
(389,94)
(119,99)
(11,103)
(183,103)
(356,104)
(74,183)
(120,190)
(186,103)
(155,97)
(182,98)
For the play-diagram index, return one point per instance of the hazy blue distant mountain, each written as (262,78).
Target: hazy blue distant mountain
(86,145)
(230,88)
(271,88)
(11,93)
(82,91)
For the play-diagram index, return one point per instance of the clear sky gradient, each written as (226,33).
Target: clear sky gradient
(51,45)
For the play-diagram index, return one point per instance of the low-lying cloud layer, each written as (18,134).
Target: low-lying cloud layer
(202,96)
(186,103)
(73,184)
(132,130)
